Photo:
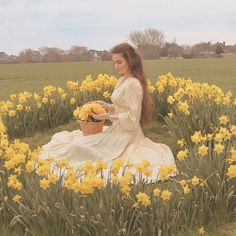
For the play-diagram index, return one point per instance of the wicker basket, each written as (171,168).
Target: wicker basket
(91,127)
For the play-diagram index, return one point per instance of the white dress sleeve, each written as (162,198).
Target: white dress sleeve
(129,119)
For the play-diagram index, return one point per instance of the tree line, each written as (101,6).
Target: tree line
(151,44)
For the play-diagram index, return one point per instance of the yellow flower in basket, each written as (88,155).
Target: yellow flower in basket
(88,124)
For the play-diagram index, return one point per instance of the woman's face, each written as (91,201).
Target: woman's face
(120,64)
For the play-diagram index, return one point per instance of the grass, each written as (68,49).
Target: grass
(158,132)
(15,78)
(228,230)
(33,77)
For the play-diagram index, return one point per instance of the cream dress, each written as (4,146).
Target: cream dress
(124,138)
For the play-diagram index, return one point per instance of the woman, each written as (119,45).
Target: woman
(131,108)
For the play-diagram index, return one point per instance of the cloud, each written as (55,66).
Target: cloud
(99,24)
(194,37)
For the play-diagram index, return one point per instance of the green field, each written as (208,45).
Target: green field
(33,77)
(15,78)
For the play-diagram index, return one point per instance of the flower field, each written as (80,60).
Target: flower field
(49,197)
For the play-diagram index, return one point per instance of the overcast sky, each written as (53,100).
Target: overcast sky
(99,24)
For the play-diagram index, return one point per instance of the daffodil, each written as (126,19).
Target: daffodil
(223,120)
(44,183)
(182,154)
(156,192)
(16,198)
(231,173)
(219,148)
(166,195)
(143,198)
(195,181)
(201,231)
(202,150)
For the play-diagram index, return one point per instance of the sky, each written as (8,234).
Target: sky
(100,24)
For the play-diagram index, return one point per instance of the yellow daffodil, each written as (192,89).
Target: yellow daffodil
(223,120)
(156,192)
(143,198)
(231,173)
(219,148)
(182,154)
(202,150)
(166,195)
(16,198)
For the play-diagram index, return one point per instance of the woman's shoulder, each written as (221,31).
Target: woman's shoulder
(133,81)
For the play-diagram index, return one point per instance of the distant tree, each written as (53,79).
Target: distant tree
(187,54)
(4,57)
(149,42)
(149,51)
(137,37)
(52,54)
(171,50)
(186,48)
(105,56)
(164,51)
(219,50)
(29,56)
(174,50)
(87,56)
(75,53)
(154,37)
(203,49)
(149,36)
(206,45)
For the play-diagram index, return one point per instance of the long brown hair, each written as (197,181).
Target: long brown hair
(135,63)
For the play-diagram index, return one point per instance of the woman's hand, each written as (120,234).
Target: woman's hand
(107,106)
(104,116)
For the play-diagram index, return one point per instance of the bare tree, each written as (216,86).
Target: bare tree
(149,51)
(149,42)
(219,50)
(174,50)
(75,53)
(149,36)
(29,56)
(52,54)
(137,37)
(4,58)
(154,37)
(202,49)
